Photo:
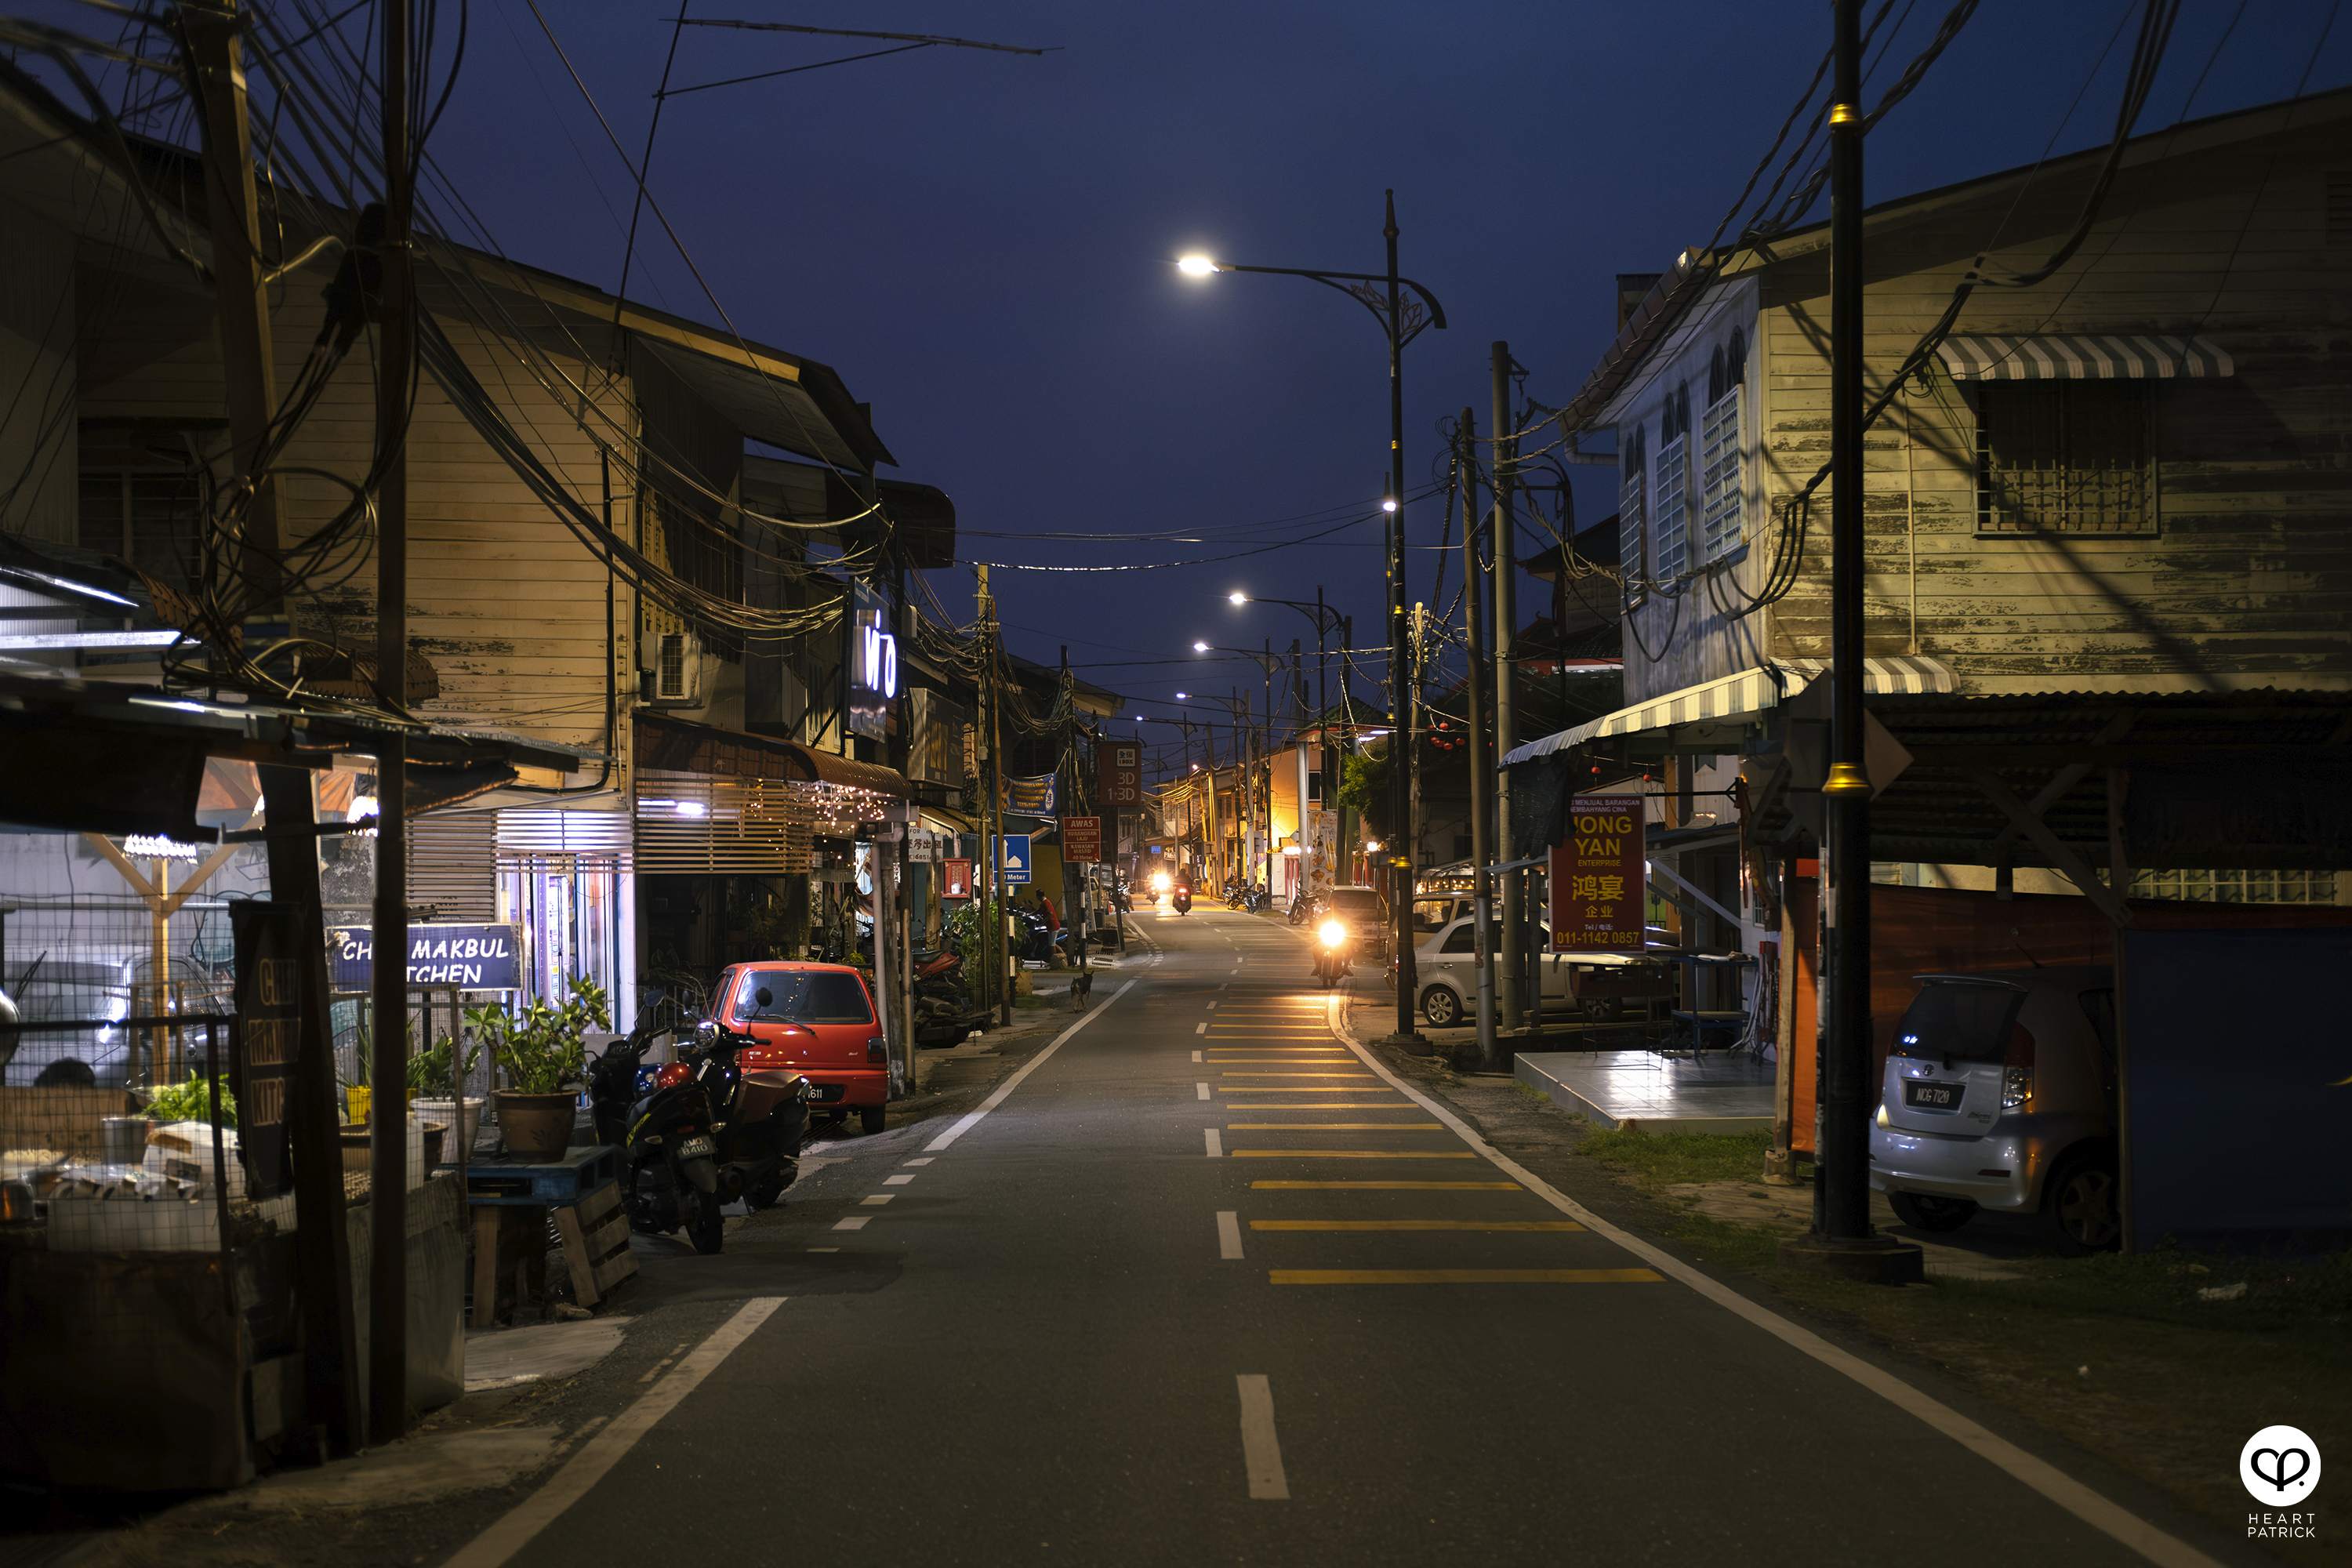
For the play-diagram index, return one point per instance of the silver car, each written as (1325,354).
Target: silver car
(1999,1094)
(1594,985)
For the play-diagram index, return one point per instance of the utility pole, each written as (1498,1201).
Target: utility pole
(1840,1241)
(1416,715)
(1399,658)
(388,1160)
(1481,843)
(1513,953)
(249,369)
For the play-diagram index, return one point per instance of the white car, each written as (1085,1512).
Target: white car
(1595,985)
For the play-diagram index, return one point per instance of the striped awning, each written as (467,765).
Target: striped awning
(2082,356)
(1741,696)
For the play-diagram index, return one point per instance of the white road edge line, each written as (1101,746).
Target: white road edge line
(2090,1507)
(515,1528)
(1215,1141)
(967,1123)
(1261,1451)
(1229,1232)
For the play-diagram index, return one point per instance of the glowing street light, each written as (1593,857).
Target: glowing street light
(1197,266)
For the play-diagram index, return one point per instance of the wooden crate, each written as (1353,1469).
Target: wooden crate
(595,1233)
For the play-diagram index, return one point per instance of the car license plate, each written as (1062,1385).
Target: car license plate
(1929,1095)
(697,1148)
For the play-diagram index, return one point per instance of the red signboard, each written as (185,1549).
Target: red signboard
(1120,782)
(1596,892)
(955,878)
(1082,840)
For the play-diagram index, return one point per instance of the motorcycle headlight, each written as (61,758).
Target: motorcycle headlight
(1332,933)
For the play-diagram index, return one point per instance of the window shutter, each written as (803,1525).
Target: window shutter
(1721,488)
(1674,513)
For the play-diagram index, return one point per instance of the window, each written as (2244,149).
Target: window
(1673,487)
(2237,887)
(1634,484)
(146,517)
(803,995)
(2064,456)
(1720,485)
(1463,939)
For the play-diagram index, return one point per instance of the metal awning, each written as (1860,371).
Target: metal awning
(682,746)
(2082,356)
(1741,697)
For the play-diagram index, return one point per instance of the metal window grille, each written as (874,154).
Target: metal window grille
(671,683)
(2064,456)
(1720,474)
(2237,887)
(690,825)
(2339,209)
(1674,512)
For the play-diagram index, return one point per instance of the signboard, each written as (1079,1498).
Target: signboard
(1032,797)
(1119,779)
(268,991)
(1012,858)
(923,843)
(1082,839)
(1598,899)
(955,878)
(471,958)
(873,664)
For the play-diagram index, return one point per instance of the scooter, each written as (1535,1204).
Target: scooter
(1302,908)
(709,1134)
(1331,954)
(1182,899)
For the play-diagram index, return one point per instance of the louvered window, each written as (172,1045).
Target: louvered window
(1633,511)
(1720,474)
(1674,513)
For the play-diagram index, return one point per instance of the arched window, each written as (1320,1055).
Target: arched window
(1632,497)
(1673,527)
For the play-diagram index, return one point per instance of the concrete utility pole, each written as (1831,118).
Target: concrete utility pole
(249,370)
(388,1159)
(1481,841)
(1513,953)
(1840,1241)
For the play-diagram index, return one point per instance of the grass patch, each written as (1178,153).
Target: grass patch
(1660,1159)
(2119,1356)
(1521,1087)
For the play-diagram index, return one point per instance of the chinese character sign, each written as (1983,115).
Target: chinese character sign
(1120,781)
(1596,891)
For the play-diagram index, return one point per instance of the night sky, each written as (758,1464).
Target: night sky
(983,243)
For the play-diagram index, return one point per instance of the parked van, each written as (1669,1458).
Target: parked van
(1999,1093)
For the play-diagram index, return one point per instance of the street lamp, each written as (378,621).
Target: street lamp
(1401,320)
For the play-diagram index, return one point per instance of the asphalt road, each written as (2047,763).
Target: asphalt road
(1206,1286)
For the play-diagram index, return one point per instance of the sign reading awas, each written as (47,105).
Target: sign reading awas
(1596,893)
(1082,840)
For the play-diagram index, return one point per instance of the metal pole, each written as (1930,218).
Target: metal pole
(1843,1147)
(1508,986)
(388,1160)
(1481,843)
(1400,740)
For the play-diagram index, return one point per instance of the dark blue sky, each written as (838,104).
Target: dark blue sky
(980,243)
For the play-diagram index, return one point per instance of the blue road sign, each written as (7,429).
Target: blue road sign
(1012,858)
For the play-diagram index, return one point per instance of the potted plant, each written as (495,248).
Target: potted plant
(544,1051)
(428,1087)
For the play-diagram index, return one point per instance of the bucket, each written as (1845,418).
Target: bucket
(122,1139)
(441,1111)
(424,1141)
(356,1098)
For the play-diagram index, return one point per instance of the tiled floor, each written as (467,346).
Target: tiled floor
(1706,1094)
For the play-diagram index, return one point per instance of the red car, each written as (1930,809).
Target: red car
(838,1046)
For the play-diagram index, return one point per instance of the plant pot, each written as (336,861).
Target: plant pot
(537,1126)
(423,1147)
(355,1100)
(441,1111)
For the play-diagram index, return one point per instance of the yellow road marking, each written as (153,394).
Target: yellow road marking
(1350,1155)
(1464,1276)
(1298,1088)
(1334,1127)
(1414,1225)
(1391,1186)
(1297,1075)
(1263,1108)
(1253,1061)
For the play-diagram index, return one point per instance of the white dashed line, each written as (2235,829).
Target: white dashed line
(875,1200)
(1209,1135)
(1196,1056)
(1261,1452)
(1229,1234)
(924,1161)
(896,1180)
(1201,1087)
(856,1221)
(1200,1028)
(824,1250)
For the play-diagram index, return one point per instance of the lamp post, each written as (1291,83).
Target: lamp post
(1402,320)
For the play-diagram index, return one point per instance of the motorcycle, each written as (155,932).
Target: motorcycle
(1159,885)
(1182,899)
(1302,908)
(707,1134)
(1331,954)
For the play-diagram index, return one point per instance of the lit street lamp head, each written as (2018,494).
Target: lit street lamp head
(1196,267)
(1199,647)
(1238,598)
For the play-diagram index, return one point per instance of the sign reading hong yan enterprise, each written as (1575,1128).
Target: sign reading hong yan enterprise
(468,958)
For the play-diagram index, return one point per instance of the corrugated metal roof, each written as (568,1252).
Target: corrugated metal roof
(1742,695)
